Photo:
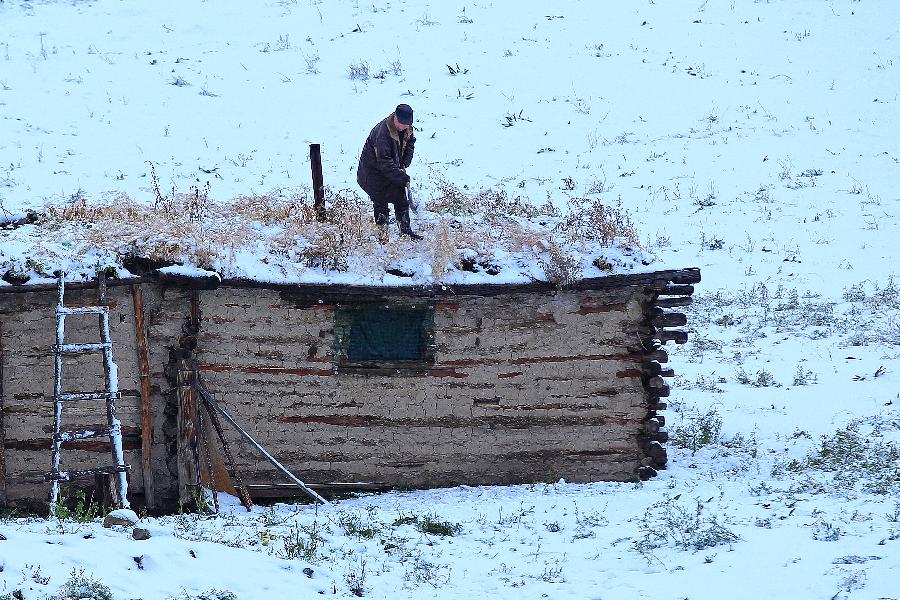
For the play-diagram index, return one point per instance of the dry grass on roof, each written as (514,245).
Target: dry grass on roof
(465,230)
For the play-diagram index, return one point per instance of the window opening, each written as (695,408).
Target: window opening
(384,337)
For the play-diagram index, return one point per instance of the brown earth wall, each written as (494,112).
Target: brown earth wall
(524,388)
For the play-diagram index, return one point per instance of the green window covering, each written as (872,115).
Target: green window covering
(369,335)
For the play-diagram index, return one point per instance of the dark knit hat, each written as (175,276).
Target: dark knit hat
(404,114)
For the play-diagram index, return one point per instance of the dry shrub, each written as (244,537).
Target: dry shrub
(352,217)
(176,228)
(346,236)
(591,220)
(469,231)
(451,199)
(451,241)
(560,268)
(549,209)
(528,239)
(488,203)
(329,253)
(195,203)
(276,208)
(346,233)
(445,248)
(76,210)
(497,204)
(587,219)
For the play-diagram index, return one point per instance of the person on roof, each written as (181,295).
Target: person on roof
(386,154)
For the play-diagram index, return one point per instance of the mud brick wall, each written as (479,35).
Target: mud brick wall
(525,387)
(28,330)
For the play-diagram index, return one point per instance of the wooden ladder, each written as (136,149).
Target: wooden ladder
(110,393)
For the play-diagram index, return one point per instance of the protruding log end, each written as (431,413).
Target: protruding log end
(674,302)
(646,473)
(679,337)
(669,320)
(690,275)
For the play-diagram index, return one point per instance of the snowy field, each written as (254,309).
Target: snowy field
(755,140)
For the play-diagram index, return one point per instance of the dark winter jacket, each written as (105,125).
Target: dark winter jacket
(385,156)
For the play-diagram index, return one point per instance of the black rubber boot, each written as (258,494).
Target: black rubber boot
(405,228)
(382,214)
(382,218)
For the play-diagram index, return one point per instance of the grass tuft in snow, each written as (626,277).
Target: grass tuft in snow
(825,531)
(358,526)
(355,577)
(430,524)
(433,525)
(697,431)
(81,509)
(671,524)
(855,453)
(210,594)
(304,542)
(82,587)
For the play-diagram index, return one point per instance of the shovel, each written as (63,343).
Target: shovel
(413,203)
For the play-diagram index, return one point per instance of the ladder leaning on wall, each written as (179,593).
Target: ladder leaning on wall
(110,393)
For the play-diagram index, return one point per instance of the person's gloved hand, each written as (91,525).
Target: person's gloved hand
(409,182)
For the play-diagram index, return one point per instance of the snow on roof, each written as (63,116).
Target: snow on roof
(274,238)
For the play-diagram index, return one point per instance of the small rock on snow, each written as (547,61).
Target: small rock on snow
(122,516)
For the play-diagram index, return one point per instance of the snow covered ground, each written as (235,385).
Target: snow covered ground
(755,140)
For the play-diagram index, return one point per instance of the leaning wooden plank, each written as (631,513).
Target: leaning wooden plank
(235,475)
(210,466)
(210,401)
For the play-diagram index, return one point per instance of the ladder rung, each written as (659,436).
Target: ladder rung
(81,434)
(70,475)
(81,348)
(75,396)
(82,310)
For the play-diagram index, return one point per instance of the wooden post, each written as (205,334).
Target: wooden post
(137,298)
(189,418)
(2,430)
(188,413)
(188,435)
(195,310)
(318,182)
